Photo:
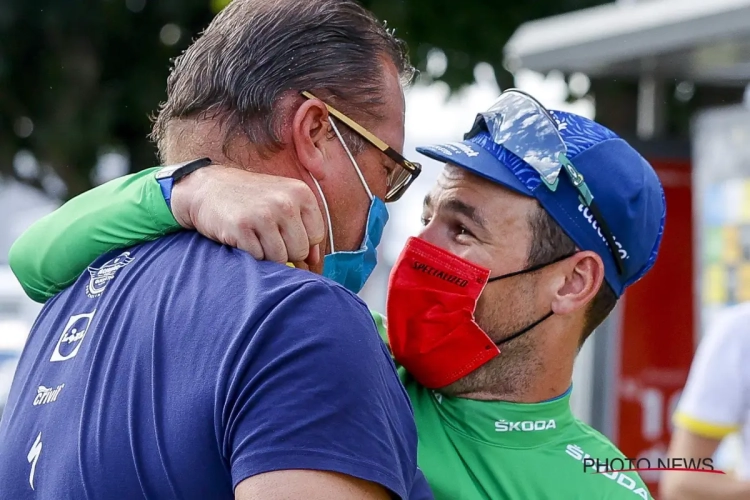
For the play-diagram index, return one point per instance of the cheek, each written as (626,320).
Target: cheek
(375,174)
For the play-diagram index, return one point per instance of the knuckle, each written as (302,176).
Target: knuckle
(302,193)
(298,249)
(286,207)
(262,217)
(246,225)
(298,188)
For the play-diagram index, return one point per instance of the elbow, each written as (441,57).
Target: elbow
(18,261)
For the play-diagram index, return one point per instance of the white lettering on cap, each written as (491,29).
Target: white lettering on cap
(463,148)
(592,222)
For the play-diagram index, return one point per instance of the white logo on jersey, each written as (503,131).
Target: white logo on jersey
(33,456)
(72,336)
(101,276)
(525,426)
(620,478)
(46,395)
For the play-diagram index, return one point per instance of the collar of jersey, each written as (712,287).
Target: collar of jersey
(510,425)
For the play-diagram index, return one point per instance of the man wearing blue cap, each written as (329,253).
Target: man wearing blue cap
(538,223)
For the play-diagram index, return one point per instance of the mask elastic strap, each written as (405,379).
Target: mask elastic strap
(328,214)
(518,334)
(351,157)
(532,268)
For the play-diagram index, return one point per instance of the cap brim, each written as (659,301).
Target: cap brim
(477,160)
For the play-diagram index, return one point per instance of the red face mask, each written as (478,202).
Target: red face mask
(432,296)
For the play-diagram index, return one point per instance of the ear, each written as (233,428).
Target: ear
(310,127)
(584,275)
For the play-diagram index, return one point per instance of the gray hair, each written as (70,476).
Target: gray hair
(256,51)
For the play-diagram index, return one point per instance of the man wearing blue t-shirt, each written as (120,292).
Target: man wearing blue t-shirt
(181,368)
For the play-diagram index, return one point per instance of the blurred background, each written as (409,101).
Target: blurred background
(78,81)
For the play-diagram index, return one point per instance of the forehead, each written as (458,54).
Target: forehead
(494,202)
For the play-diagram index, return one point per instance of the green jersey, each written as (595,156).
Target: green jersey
(468,449)
(471,449)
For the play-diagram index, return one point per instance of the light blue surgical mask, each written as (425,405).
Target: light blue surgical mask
(351,269)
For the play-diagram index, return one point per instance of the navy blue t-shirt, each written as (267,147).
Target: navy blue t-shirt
(181,367)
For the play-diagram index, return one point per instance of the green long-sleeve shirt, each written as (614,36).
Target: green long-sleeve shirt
(468,449)
(51,254)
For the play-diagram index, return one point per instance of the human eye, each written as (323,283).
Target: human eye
(461,233)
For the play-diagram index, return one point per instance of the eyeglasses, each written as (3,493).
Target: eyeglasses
(401,177)
(523,126)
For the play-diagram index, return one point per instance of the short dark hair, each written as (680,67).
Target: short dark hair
(255,51)
(549,242)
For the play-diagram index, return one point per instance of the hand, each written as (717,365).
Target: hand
(270,217)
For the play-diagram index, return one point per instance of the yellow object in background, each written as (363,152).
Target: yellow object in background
(715,285)
(743,285)
(732,250)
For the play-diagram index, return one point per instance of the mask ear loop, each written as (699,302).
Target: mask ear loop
(328,214)
(351,157)
(532,268)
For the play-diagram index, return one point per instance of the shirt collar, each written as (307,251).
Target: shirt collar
(510,425)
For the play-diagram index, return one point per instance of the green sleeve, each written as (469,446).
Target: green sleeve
(54,251)
(380,322)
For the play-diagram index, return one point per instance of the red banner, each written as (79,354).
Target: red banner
(657,336)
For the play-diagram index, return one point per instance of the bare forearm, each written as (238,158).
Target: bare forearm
(702,486)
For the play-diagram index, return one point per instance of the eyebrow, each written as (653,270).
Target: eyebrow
(460,207)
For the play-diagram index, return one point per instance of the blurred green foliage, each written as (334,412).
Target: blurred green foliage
(87,73)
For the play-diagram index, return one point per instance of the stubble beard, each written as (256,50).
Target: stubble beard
(509,375)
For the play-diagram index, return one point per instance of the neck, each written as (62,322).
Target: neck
(537,391)
(190,139)
(537,368)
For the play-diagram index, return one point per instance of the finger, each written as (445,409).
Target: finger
(295,238)
(312,218)
(249,242)
(273,244)
(313,257)
(301,265)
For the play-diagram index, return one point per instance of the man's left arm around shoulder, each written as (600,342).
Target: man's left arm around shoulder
(316,391)
(272,218)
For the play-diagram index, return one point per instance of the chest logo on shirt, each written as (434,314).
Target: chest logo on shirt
(46,395)
(33,456)
(72,336)
(101,276)
(525,426)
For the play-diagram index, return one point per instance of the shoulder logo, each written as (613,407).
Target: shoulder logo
(101,276)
